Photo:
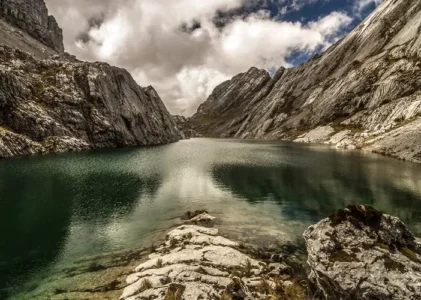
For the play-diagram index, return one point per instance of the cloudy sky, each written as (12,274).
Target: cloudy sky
(184,48)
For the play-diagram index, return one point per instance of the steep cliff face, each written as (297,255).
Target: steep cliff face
(32,17)
(61,104)
(228,102)
(363,92)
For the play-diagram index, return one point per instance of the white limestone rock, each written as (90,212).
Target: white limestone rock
(360,253)
(197,263)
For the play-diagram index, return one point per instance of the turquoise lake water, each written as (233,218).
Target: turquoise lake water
(56,209)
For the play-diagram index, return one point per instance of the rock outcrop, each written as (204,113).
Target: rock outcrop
(60,104)
(31,16)
(366,87)
(360,253)
(196,263)
(184,126)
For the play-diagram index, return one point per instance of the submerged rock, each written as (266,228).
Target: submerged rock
(361,253)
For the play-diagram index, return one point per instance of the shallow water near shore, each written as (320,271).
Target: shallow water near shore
(59,209)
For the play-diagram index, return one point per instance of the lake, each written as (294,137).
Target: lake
(57,209)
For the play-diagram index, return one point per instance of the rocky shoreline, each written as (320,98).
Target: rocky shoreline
(356,253)
(195,262)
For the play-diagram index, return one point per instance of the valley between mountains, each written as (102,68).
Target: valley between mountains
(364,92)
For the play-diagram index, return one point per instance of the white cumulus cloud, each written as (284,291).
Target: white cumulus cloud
(176,46)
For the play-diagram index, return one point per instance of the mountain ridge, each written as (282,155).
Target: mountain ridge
(52,102)
(363,92)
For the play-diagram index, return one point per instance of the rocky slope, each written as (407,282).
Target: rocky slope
(361,253)
(364,92)
(51,102)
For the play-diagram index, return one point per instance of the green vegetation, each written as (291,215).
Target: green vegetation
(146,284)
(383,246)
(264,287)
(248,268)
(410,254)
(159,263)
(226,296)
(175,292)
(173,243)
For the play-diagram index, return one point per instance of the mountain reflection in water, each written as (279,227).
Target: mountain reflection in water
(57,209)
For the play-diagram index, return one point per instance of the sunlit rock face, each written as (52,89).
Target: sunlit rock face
(32,17)
(51,102)
(360,253)
(366,87)
(196,263)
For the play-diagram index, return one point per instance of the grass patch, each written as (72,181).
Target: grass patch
(226,296)
(410,254)
(248,268)
(159,263)
(264,287)
(173,243)
(383,246)
(175,292)
(145,285)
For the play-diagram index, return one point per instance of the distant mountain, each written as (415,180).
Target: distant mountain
(51,102)
(363,92)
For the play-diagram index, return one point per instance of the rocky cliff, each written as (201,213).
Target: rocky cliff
(51,102)
(363,92)
(32,17)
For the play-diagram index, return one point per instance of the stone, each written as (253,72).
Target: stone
(195,262)
(371,94)
(318,135)
(361,253)
(280,269)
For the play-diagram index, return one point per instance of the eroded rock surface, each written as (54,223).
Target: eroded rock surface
(366,87)
(31,16)
(360,253)
(196,263)
(51,102)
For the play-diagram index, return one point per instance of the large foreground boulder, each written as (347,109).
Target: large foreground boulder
(361,253)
